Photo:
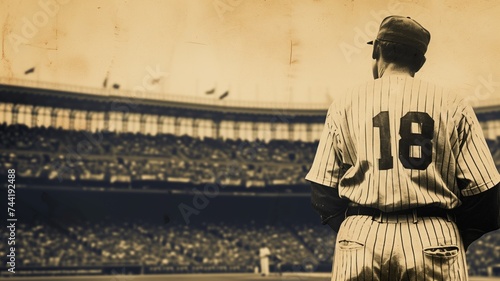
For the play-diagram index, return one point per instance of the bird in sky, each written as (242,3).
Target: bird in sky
(31,70)
(224,95)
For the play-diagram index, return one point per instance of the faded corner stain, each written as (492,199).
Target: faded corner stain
(6,62)
(4,35)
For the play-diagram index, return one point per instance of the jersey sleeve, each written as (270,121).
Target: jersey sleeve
(326,168)
(476,170)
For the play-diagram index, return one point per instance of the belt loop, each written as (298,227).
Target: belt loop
(380,216)
(414,214)
(345,213)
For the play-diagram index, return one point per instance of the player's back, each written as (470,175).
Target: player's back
(399,139)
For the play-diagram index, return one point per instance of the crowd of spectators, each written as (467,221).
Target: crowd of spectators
(111,243)
(49,153)
(251,236)
(483,253)
(494,146)
(318,238)
(69,156)
(39,244)
(179,151)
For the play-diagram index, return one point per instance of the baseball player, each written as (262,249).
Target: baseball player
(264,254)
(402,171)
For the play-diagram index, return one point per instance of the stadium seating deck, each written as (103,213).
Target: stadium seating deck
(39,153)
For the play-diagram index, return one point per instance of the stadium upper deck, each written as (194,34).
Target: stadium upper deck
(77,108)
(83,108)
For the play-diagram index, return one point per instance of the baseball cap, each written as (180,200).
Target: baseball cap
(404,30)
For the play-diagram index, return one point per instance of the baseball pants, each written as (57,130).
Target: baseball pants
(399,248)
(264,266)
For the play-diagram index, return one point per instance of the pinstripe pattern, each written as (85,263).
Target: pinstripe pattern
(398,143)
(349,148)
(395,248)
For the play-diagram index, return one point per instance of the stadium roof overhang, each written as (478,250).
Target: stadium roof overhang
(114,102)
(91,102)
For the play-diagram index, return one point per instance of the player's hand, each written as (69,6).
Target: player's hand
(335,222)
(327,203)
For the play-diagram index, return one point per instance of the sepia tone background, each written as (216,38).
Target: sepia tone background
(280,51)
(175,95)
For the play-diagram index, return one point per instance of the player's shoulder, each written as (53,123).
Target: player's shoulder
(451,98)
(456,101)
(340,99)
(352,93)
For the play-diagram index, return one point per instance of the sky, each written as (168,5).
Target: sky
(279,51)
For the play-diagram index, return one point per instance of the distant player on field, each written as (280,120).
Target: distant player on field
(402,171)
(264,254)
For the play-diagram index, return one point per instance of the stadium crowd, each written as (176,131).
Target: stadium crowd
(73,156)
(483,253)
(106,243)
(50,154)
(109,243)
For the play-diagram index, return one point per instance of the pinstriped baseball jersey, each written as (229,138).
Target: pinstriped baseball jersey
(398,142)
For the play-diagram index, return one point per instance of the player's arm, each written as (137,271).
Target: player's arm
(325,173)
(327,203)
(479,215)
(268,253)
(478,180)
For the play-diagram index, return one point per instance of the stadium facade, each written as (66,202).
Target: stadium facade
(128,112)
